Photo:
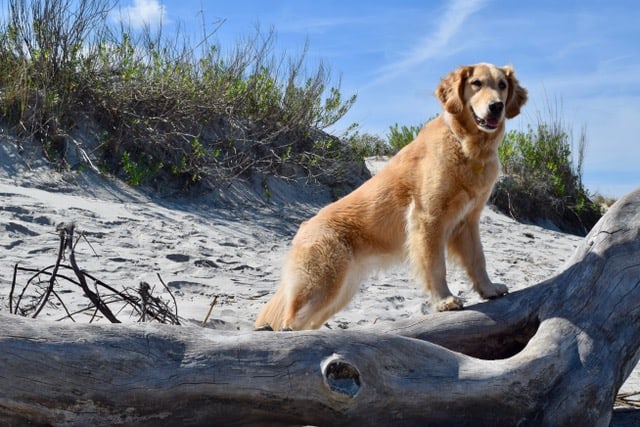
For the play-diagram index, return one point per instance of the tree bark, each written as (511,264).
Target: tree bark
(553,354)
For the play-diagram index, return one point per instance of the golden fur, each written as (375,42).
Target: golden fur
(425,201)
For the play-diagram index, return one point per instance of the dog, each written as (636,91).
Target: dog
(424,204)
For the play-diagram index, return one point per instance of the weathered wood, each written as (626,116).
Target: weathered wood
(553,354)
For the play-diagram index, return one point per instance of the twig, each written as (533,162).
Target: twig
(175,303)
(84,237)
(144,295)
(24,290)
(66,310)
(52,279)
(213,303)
(13,286)
(84,157)
(625,399)
(95,299)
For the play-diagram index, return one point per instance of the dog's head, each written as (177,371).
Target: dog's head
(489,94)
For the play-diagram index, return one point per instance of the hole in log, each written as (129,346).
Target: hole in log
(501,341)
(341,376)
(502,344)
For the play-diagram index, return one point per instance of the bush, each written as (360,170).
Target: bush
(542,181)
(40,58)
(163,109)
(398,137)
(368,145)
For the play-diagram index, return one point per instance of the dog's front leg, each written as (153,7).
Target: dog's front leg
(426,243)
(465,244)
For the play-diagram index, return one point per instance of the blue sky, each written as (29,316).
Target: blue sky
(583,57)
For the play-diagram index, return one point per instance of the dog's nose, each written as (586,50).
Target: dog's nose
(496,108)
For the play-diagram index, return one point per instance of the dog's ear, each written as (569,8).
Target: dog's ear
(450,91)
(517,95)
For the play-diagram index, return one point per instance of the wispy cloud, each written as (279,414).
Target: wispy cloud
(142,13)
(435,43)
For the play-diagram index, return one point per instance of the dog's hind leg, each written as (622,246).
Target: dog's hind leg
(319,284)
(270,317)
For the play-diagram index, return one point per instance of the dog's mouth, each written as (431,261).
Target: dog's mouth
(489,123)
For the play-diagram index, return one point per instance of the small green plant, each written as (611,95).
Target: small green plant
(267,191)
(399,136)
(287,153)
(139,171)
(197,148)
(191,161)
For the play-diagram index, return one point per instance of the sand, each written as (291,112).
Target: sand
(211,246)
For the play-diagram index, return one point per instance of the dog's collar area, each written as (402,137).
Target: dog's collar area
(489,124)
(477,168)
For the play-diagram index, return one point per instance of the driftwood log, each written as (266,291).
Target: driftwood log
(553,354)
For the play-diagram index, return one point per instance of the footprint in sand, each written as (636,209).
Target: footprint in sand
(15,228)
(178,257)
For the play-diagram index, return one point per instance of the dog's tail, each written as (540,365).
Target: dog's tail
(272,314)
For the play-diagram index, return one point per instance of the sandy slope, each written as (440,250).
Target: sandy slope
(204,248)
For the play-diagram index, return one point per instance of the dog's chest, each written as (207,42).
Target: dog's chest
(479,174)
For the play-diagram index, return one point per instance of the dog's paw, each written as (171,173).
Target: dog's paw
(494,290)
(263,328)
(449,303)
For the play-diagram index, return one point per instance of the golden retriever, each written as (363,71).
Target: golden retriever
(427,200)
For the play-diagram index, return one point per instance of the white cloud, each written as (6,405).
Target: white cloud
(143,13)
(450,25)
(433,45)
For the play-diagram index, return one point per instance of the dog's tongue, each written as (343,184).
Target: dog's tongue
(492,122)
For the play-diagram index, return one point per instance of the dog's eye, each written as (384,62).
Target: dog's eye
(476,83)
(502,85)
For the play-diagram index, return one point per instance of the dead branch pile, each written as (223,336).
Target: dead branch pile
(47,287)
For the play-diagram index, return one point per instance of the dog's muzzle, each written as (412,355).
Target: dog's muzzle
(492,120)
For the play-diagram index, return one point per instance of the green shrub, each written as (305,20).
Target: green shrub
(368,145)
(140,170)
(41,55)
(543,177)
(398,136)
